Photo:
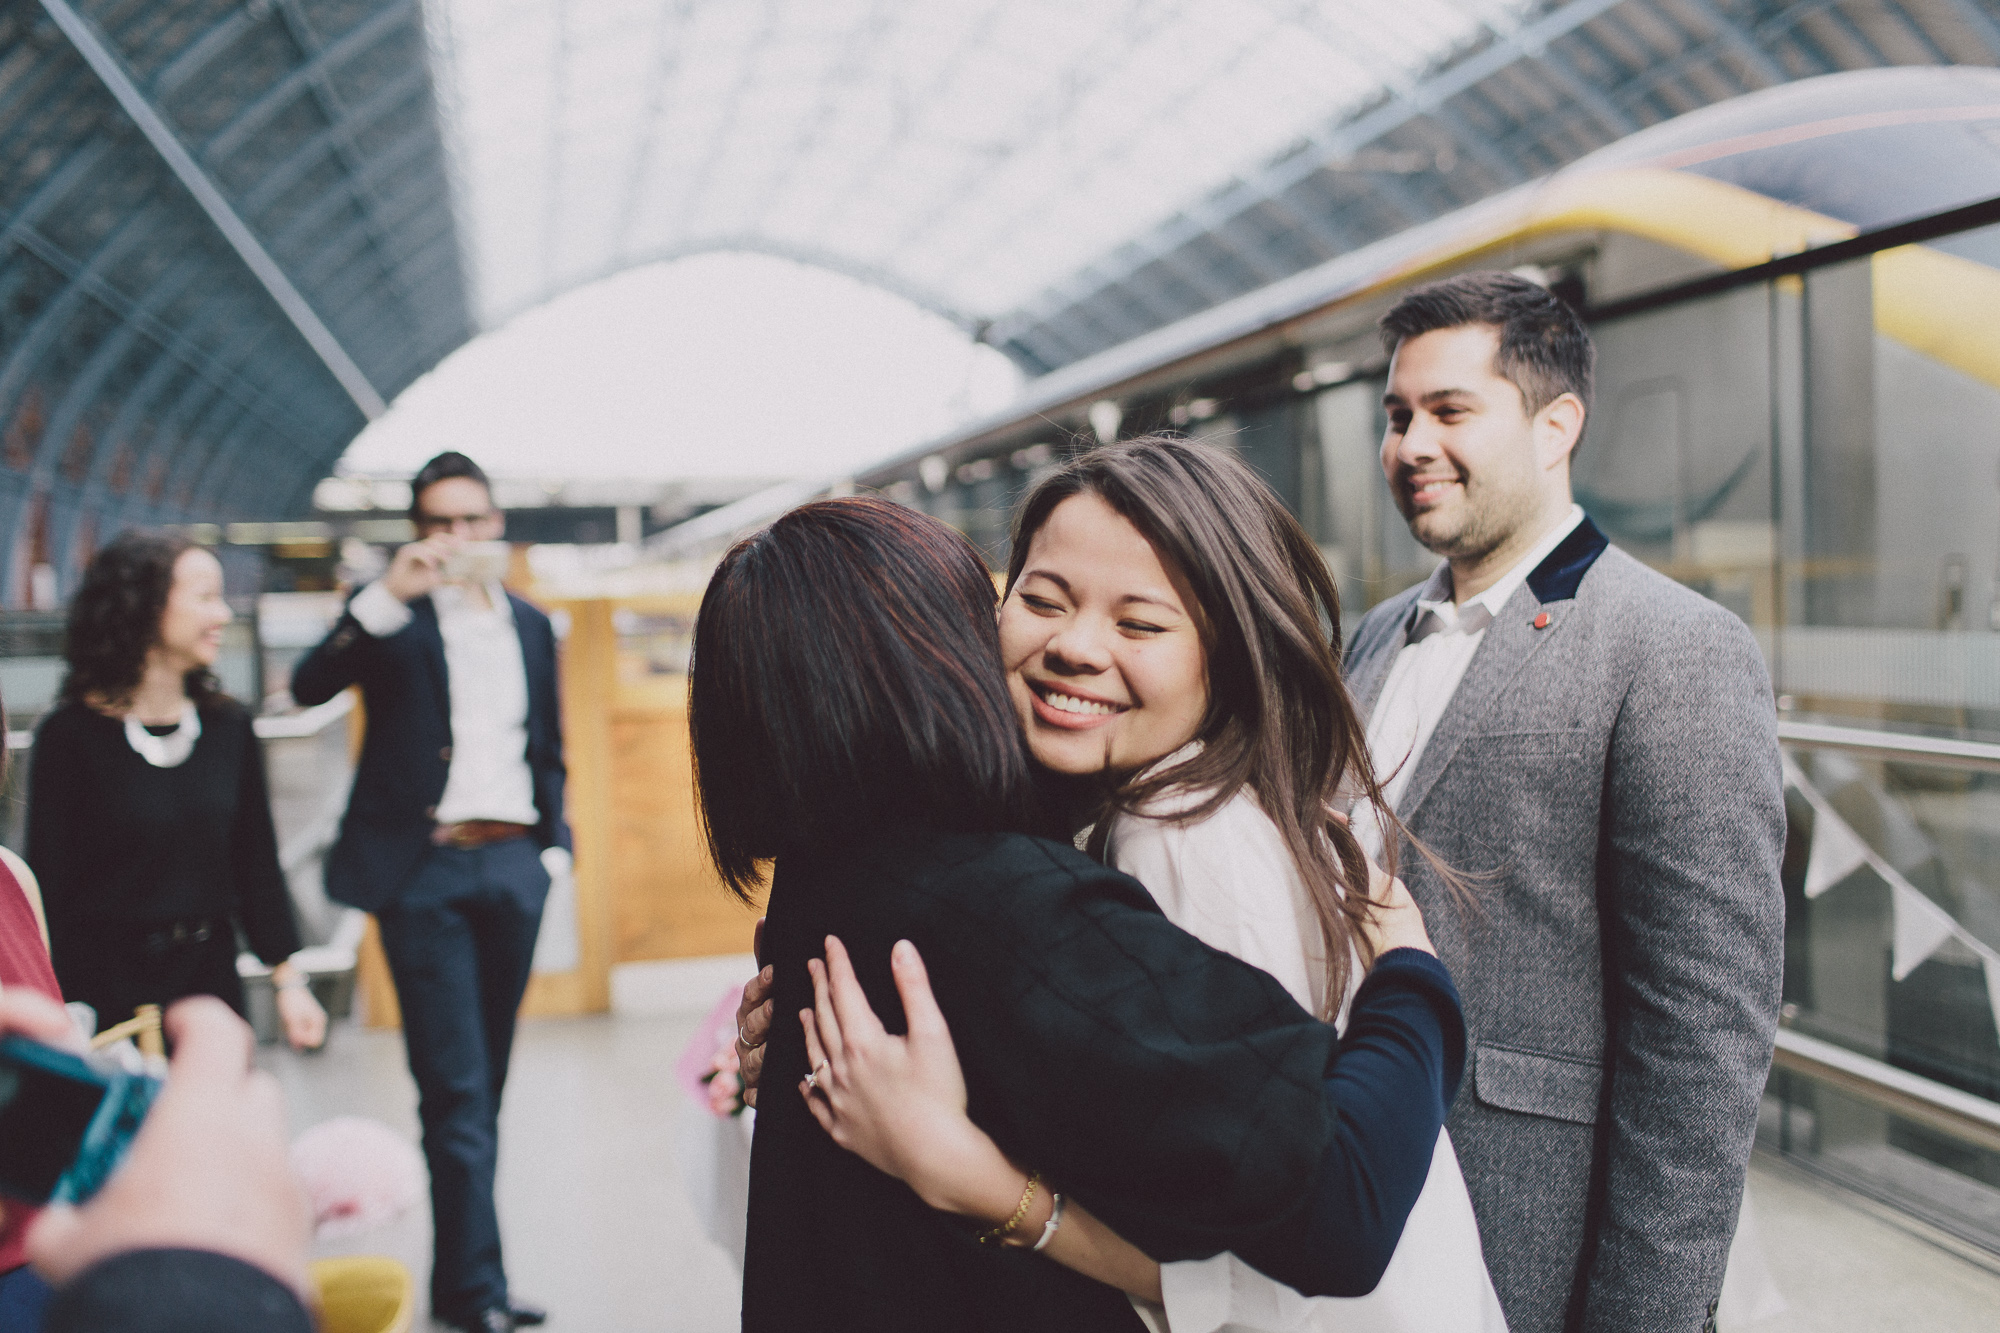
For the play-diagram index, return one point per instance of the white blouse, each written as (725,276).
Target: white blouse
(1230,882)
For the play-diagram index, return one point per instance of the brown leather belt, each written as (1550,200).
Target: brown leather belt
(477,833)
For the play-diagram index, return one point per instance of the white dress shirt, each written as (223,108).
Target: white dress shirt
(1231,882)
(487,776)
(1426,673)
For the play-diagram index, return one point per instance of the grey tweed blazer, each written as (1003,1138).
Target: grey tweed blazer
(1610,785)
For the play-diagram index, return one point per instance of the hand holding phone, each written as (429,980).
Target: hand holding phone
(37,1143)
(66,1119)
(208,1170)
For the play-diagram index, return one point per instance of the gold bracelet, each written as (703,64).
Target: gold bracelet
(1000,1233)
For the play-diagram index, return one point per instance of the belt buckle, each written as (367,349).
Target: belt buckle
(461,836)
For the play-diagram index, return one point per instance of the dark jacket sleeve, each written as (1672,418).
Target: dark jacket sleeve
(339,660)
(1181,1093)
(550,769)
(1694,923)
(175,1291)
(263,901)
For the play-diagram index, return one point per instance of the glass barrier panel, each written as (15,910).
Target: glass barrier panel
(1892,917)
(1892,522)
(1676,464)
(1893,951)
(1947,1183)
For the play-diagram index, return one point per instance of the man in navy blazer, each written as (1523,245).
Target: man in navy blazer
(457,802)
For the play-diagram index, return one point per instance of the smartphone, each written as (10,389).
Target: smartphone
(66,1120)
(478,562)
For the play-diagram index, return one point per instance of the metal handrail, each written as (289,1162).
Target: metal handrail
(1960,1115)
(1914,231)
(1981,756)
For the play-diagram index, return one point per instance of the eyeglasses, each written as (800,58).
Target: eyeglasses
(451,522)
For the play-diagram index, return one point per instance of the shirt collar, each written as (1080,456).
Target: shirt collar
(1435,602)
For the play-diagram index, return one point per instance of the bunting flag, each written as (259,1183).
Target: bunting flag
(1921,928)
(1837,851)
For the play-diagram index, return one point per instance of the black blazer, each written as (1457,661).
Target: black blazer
(407,752)
(1177,1091)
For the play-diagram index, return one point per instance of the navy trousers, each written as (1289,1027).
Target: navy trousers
(460,939)
(24,1298)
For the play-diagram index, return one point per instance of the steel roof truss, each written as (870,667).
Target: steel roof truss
(363,35)
(170,339)
(384,102)
(197,54)
(666,62)
(91,45)
(1344,140)
(360,186)
(1979,23)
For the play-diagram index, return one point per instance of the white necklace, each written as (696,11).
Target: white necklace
(170,750)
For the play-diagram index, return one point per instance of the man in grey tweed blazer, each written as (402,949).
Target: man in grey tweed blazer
(1595,747)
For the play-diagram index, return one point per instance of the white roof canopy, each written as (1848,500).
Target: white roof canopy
(965,153)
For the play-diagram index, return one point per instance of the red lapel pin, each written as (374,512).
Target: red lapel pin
(1542,620)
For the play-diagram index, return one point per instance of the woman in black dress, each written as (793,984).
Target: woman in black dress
(851,722)
(149,822)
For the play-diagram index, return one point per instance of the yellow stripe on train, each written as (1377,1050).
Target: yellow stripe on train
(1941,305)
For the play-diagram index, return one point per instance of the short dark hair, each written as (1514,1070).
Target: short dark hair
(846,675)
(1545,351)
(444,467)
(114,619)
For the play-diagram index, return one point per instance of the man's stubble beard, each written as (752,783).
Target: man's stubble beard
(1486,522)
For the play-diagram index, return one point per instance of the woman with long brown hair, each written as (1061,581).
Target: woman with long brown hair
(149,821)
(1167,638)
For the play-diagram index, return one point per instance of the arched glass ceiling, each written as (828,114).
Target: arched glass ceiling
(966,154)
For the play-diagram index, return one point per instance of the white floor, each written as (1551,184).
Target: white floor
(594,1220)
(1838,1263)
(597,1225)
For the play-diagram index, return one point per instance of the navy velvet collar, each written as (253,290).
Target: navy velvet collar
(1556,578)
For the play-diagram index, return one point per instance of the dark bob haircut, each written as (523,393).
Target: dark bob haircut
(1545,351)
(444,467)
(846,676)
(114,620)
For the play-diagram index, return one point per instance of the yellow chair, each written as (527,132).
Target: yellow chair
(143,1028)
(364,1293)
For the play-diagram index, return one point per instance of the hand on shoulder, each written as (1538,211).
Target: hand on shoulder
(898,1103)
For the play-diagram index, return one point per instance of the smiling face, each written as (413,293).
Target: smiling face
(1473,471)
(191,625)
(1104,661)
